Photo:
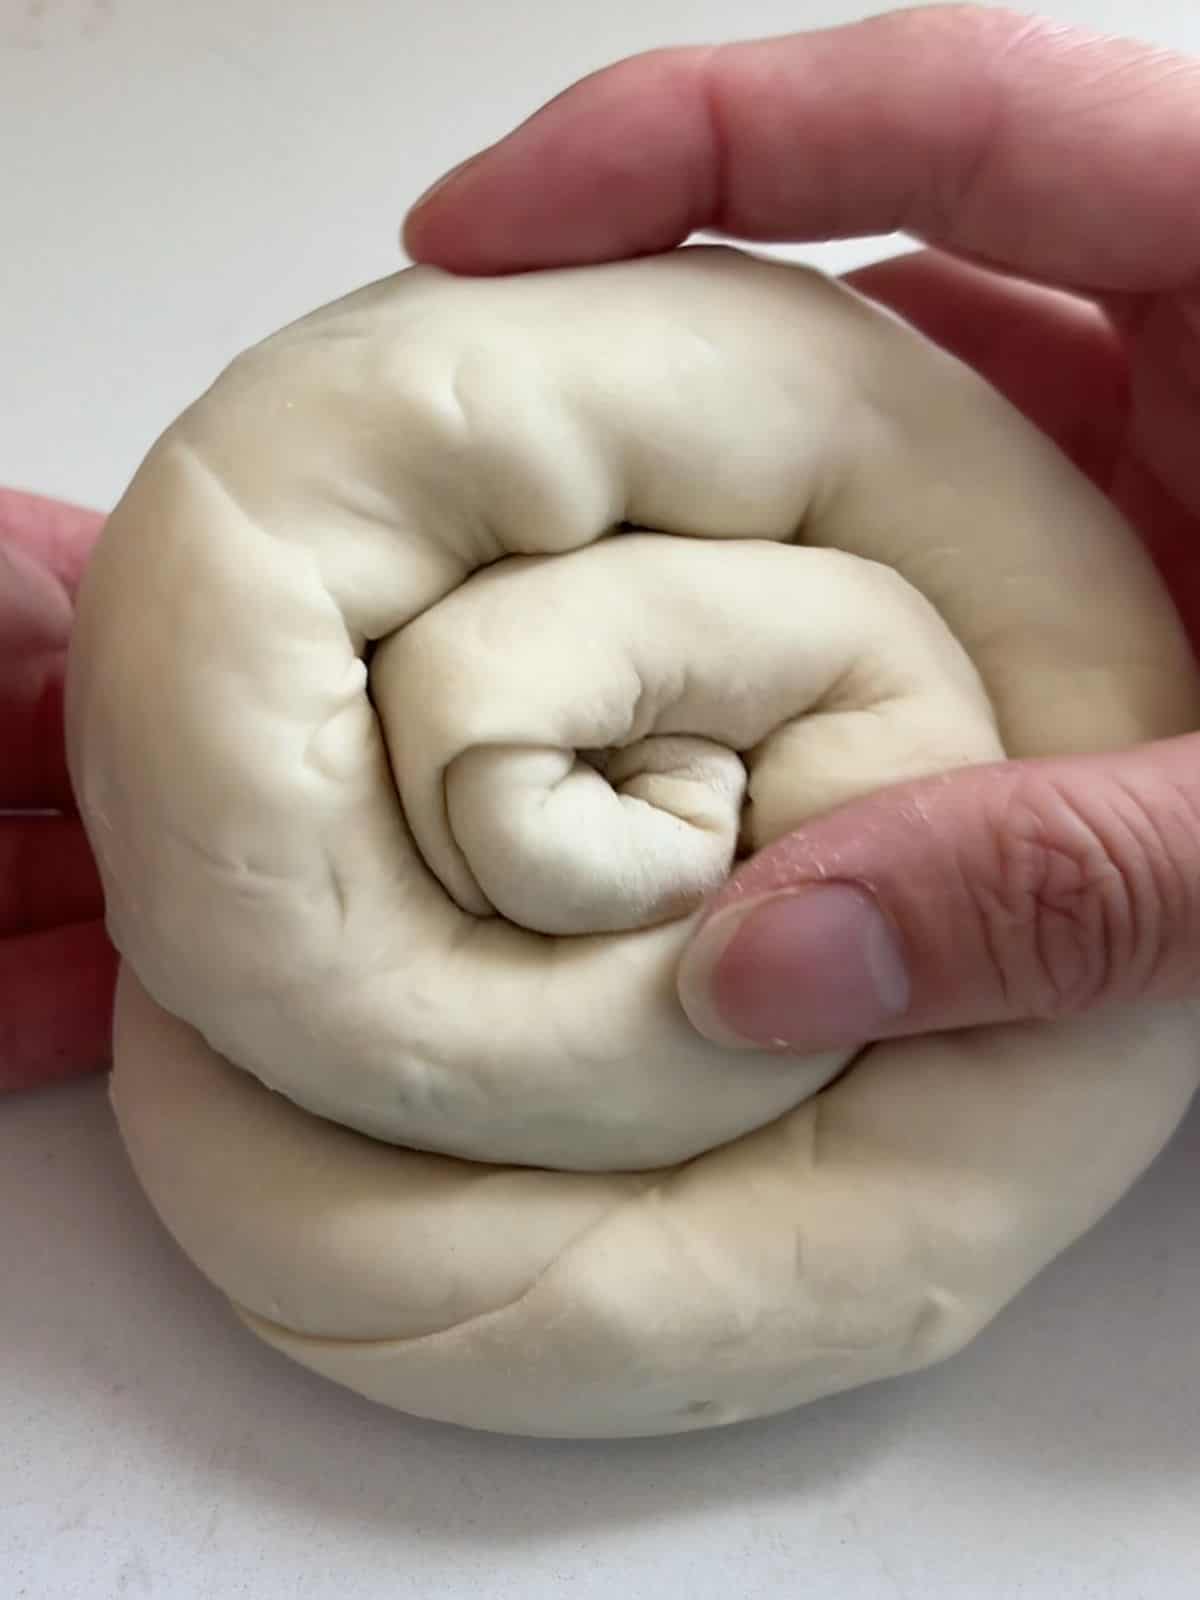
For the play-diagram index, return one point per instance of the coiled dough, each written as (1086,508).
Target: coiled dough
(436,664)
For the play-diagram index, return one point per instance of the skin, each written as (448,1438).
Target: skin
(1051,175)
(56,966)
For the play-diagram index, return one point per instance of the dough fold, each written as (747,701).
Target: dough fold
(434,667)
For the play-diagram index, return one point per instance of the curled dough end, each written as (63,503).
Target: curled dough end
(435,666)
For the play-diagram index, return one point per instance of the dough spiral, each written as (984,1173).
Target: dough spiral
(434,667)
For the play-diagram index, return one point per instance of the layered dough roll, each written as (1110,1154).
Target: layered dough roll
(435,666)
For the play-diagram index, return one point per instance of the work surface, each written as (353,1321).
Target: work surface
(176,182)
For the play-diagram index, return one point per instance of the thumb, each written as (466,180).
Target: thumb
(1011,892)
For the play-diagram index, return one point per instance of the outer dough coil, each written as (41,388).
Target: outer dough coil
(417,843)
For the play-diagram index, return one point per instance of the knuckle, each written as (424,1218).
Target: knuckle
(1084,893)
(993,48)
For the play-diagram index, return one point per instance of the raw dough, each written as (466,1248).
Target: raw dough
(406,765)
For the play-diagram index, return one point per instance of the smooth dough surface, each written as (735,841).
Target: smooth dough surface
(434,667)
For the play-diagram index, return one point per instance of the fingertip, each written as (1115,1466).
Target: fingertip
(56,997)
(812,968)
(419,230)
(616,167)
(696,981)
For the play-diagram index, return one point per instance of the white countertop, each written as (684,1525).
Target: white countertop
(176,180)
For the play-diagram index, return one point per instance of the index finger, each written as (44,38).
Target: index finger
(1024,144)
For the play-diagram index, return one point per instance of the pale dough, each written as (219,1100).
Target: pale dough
(406,765)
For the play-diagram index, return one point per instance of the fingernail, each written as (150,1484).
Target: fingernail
(443,182)
(808,969)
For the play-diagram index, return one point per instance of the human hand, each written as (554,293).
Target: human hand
(1053,175)
(56,965)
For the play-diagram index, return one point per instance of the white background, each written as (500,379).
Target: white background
(175,180)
